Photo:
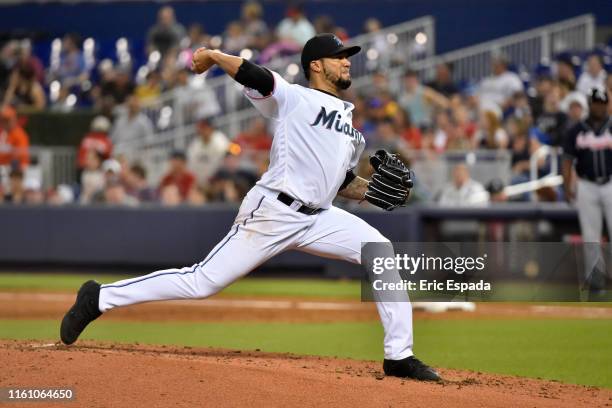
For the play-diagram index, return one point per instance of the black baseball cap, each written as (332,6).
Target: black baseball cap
(599,95)
(324,45)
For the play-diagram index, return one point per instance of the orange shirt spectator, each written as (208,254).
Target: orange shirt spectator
(14,141)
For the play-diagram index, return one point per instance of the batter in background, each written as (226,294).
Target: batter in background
(588,148)
(312,158)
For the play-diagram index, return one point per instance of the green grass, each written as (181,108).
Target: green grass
(574,351)
(244,287)
(266,287)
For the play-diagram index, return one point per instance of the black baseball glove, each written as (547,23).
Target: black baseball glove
(391,183)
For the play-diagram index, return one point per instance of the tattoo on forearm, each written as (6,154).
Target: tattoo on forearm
(355,190)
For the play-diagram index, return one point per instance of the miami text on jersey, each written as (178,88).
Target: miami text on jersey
(327,120)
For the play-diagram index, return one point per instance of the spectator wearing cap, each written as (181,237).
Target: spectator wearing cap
(14,141)
(594,76)
(500,87)
(576,106)
(496,190)
(131,124)
(205,154)
(588,151)
(96,139)
(166,35)
(24,91)
(295,27)
(178,174)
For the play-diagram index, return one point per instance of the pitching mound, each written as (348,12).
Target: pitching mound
(110,375)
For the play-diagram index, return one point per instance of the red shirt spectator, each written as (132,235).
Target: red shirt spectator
(412,136)
(255,138)
(179,175)
(97,139)
(14,141)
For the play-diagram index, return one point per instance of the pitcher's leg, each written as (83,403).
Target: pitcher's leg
(231,259)
(244,247)
(338,234)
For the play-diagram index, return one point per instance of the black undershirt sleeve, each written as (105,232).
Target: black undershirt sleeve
(255,77)
(350,176)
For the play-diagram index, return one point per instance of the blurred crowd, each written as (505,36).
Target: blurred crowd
(76,76)
(406,115)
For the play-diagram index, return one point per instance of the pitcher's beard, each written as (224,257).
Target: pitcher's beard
(343,83)
(338,82)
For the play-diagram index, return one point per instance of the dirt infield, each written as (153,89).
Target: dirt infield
(111,375)
(106,375)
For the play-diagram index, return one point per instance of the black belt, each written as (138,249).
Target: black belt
(285,199)
(599,180)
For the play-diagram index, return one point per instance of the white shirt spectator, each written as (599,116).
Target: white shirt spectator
(130,128)
(205,158)
(586,82)
(499,88)
(299,31)
(471,193)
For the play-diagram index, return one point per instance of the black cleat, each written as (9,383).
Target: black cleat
(410,367)
(84,311)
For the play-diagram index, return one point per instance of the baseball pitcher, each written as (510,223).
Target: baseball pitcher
(312,158)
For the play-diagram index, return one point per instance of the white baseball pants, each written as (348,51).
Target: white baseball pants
(594,203)
(263,228)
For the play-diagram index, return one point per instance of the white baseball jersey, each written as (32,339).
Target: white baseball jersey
(314,144)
